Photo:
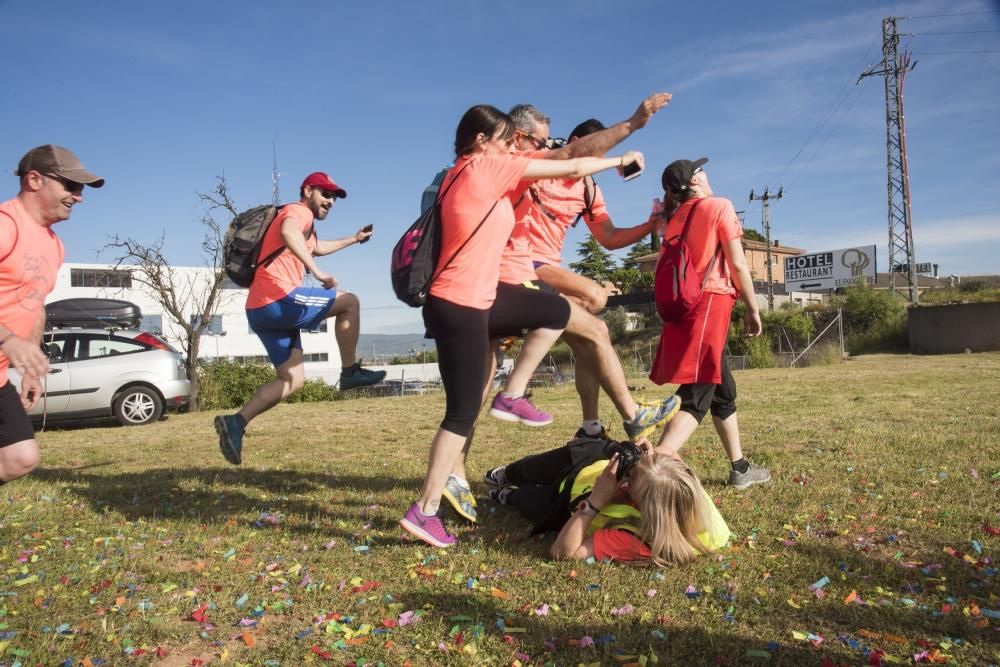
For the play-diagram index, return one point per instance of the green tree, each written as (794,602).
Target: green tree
(753,235)
(595,262)
(640,249)
(629,279)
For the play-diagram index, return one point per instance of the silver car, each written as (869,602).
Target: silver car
(133,375)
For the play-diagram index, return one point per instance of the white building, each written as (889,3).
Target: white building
(228,335)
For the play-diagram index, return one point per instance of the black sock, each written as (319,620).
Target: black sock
(348,371)
(741,466)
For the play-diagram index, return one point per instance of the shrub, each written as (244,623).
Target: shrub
(874,320)
(883,337)
(867,310)
(790,319)
(617,321)
(225,384)
(314,390)
(972,286)
(759,351)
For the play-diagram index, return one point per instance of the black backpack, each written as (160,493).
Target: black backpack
(241,249)
(416,253)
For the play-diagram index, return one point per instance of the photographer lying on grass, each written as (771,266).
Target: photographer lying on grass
(614,501)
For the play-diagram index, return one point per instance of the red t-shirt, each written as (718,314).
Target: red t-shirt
(285,272)
(620,545)
(32,255)
(715,222)
(471,277)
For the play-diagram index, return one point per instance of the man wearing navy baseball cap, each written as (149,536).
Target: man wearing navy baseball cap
(279,307)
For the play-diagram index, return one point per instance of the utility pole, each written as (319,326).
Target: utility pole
(893,69)
(766,198)
(275,176)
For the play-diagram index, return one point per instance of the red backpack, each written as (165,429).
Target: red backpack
(678,288)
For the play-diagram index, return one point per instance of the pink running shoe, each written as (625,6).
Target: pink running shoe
(430,529)
(518,409)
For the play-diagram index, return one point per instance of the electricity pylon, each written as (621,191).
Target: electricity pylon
(893,69)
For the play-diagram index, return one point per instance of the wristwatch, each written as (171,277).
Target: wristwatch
(587,507)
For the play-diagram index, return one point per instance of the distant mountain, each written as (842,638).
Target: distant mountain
(372,346)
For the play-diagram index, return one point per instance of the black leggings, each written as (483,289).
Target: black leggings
(720,399)
(462,336)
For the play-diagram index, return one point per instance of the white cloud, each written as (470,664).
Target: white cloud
(944,232)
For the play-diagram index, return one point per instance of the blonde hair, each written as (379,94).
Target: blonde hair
(672,508)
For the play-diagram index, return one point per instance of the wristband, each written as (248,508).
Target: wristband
(587,507)
(10,334)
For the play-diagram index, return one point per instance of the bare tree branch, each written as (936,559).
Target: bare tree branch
(186,301)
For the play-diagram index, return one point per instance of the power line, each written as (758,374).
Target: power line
(954,53)
(938,16)
(828,135)
(842,95)
(955,32)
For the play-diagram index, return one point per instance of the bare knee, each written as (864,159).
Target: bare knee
(345,302)
(594,298)
(19,459)
(587,329)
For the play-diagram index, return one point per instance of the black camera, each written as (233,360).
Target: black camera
(554,143)
(628,455)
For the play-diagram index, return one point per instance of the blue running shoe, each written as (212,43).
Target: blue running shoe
(354,377)
(230,429)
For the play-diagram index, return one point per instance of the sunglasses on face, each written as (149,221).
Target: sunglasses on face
(535,141)
(72,187)
(328,194)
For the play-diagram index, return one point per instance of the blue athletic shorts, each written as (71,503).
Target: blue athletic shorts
(279,323)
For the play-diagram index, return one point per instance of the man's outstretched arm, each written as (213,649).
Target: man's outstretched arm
(599,143)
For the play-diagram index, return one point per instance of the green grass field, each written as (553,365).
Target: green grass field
(142,546)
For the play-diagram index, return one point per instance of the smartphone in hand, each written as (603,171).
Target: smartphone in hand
(367,228)
(631,170)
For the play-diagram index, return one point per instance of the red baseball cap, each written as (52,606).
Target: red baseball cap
(318,179)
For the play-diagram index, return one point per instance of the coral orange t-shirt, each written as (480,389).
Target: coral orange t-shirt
(515,261)
(470,278)
(30,257)
(285,272)
(715,223)
(560,202)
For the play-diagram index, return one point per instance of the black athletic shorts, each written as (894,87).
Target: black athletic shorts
(15,425)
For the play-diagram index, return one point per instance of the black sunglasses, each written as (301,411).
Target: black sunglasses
(72,187)
(535,141)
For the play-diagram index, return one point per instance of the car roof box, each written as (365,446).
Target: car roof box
(93,313)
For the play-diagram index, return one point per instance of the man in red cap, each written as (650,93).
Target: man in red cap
(279,307)
(52,182)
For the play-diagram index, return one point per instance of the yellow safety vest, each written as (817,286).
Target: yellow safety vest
(626,517)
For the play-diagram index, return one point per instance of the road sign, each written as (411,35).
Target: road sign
(822,271)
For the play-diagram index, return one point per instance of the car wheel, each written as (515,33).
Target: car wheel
(137,405)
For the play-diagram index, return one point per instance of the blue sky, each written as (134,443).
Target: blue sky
(162,98)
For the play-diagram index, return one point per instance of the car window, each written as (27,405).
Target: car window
(95,347)
(55,351)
